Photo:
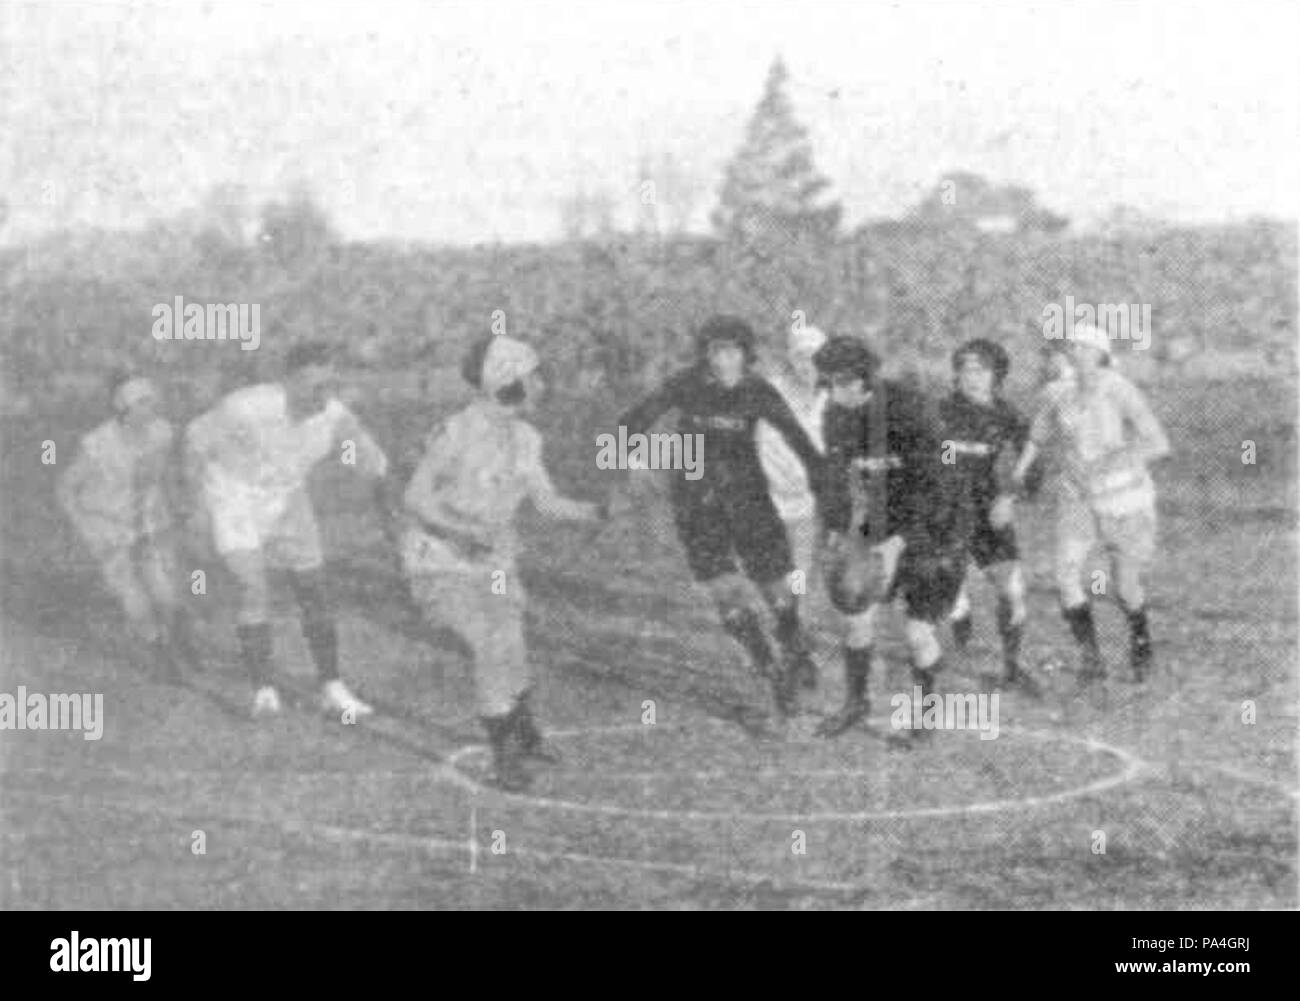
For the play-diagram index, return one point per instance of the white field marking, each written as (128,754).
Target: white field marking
(473,840)
(1133,768)
(431,844)
(1236,773)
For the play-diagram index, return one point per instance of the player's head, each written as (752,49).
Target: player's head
(803,342)
(848,368)
(1089,348)
(135,399)
(505,369)
(980,366)
(726,345)
(309,371)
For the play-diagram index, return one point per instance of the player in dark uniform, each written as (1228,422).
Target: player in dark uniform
(895,525)
(727,514)
(982,429)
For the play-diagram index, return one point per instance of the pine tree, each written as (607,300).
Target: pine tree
(771,191)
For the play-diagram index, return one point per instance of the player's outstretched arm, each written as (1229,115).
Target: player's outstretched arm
(668,396)
(370,458)
(542,492)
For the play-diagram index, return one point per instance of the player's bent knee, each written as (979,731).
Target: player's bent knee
(1068,586)
(922,643)
(1010,580)
(860,629)
(1129,590)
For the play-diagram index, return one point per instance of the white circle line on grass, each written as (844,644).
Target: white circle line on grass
(1133,767)
(431,843)
(1244,776)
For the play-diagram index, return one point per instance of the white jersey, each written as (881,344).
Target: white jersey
(1087,426)
(478,466)
(786,477)
(253,450)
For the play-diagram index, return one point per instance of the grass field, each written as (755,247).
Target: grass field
(1198,808)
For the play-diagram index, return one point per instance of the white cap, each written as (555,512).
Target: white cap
(506,361)
(805,340)
(1086,335)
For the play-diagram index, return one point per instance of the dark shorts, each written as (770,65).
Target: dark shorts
(989,545)
(928,580)
(716,530)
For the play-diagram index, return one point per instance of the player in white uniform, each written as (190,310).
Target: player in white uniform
(115,493)
(250,456)
(1102,434)
(796,379)
(459,551)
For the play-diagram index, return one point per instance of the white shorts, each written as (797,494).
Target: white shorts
(247,518)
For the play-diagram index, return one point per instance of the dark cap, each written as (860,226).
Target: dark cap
(992,356)
(730,329)
(846,355)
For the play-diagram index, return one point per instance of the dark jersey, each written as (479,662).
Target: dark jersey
(888,453)
(979,434)
(726,417)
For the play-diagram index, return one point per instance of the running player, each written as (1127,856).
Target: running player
(250,456)
(795,378)
(727,513)
(895,527)
(459,552)
(980,428)
(116,495)
(1100,429)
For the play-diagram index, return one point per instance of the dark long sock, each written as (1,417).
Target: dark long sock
(525,722)
(498,730)
(318,626)
(323,641)
(1082,626)
(1139,635)
(857,669)
(505,755)
(789,633)
(255,648)
(925,676)
(1011,633)
(961,631)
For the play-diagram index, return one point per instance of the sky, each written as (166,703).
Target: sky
(469,122)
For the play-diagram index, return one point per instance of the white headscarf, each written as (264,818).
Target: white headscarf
(1093,337)
(804,341)
(506,361)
